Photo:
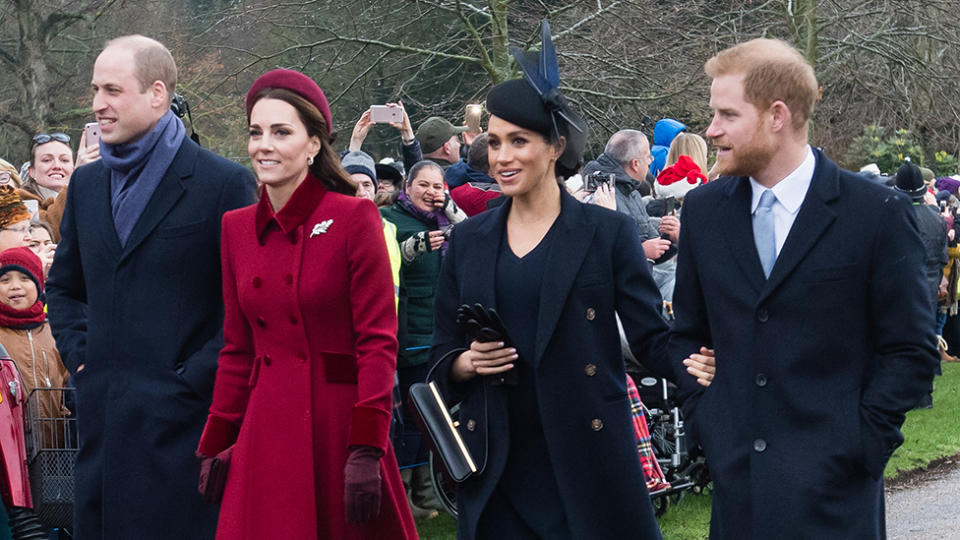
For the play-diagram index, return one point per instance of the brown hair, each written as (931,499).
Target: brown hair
(773,71)
(39,224)
(326,166)
(151,62)
(688,144)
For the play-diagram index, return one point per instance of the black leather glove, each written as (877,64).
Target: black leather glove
(484,325)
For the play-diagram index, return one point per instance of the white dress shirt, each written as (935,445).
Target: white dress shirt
(790,193)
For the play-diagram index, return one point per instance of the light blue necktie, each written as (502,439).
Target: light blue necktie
(763,231)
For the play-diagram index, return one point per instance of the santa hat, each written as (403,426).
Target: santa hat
(679,178)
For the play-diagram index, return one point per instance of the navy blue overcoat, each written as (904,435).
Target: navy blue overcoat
(816,366)
(595,267)
(145,319)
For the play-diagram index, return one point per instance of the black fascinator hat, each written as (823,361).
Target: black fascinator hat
(535,103)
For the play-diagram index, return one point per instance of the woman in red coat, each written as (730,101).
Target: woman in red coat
(303,388)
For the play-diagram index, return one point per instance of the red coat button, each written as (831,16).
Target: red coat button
(261,322)
(257,282)
(293,320)
(289,279)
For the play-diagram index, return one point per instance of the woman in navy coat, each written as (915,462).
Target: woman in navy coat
(556,451)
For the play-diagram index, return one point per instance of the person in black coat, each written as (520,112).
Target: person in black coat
(554,446)
(816,304)
(136,306)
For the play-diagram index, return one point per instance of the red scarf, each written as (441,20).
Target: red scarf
(22,319)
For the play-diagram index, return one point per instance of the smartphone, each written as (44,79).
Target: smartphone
(593,181)
(385,114)
(670,204)
(92,129)
(472,116)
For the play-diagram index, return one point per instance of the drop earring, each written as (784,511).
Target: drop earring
(309,160)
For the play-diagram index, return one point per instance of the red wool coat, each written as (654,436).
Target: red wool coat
(307,368)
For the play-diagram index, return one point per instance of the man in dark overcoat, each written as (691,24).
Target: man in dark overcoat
(135,302)
(808,283)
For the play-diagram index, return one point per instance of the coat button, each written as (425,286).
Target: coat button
(289,279)
(590,370)
(257,282)
(759,445)
(761,380)
(591,314)
(301,358)
(261,323)
(596,424)
(293,320)
(471,425)
(267,360)
(763,315)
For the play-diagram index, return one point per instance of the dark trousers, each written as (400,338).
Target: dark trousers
(412,449)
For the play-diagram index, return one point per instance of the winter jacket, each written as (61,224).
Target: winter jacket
(629,200)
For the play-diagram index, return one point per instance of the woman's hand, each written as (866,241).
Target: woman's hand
(436,240)
(86,154)
(703,366)
(404,127)
(360,131)
(483,359)
(46,257)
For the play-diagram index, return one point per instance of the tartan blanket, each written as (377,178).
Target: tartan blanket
(651,469)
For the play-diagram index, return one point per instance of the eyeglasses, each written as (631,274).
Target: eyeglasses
(23,230)
(44,138)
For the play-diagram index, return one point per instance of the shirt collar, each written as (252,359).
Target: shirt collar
(301,204)
(792,189)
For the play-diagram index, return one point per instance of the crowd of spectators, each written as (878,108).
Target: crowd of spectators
(438,178)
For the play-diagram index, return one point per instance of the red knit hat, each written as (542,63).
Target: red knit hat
(23,259)
(679,178)
(297,83)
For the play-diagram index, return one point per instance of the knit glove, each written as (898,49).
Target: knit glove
(415,246)
(452,211)
(361,493)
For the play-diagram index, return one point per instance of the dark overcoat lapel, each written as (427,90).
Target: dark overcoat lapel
(164,197)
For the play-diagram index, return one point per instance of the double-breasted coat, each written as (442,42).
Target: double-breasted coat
(145,320)
(307,368)
(594,267)
(816,366)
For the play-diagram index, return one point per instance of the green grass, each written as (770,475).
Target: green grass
(934,433)
(928,434)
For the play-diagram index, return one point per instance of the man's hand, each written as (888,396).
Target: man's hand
(46,254)
(703,366)
(655,247)
(360,131)
(605,197)
(405,128)
(670,226)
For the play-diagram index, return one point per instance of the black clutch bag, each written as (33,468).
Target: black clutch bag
(435,421)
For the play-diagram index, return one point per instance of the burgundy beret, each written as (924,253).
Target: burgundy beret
(295,82)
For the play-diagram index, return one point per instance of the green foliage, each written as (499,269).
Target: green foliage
(887,151)
(945,164)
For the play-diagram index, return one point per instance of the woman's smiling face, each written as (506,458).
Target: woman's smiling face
(519,158)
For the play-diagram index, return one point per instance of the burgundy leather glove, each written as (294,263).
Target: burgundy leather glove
(361,490)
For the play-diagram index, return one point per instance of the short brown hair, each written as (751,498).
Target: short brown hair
(772,71)
(326,165)
(151,62)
